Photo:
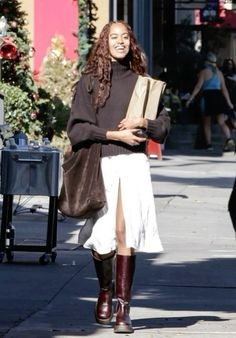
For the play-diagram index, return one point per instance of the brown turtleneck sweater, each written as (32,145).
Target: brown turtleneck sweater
(85,124)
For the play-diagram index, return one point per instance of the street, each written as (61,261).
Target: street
(187,291)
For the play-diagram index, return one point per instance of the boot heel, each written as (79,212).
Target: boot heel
(123,328)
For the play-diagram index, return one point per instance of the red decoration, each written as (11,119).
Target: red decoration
(8,49)
(153,149)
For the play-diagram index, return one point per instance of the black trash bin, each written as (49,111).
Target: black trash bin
(29,170)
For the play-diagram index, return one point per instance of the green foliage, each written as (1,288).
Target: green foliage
(20,88)
(58,74)
(27,106)
(86,30)
(31,108)
(56,80)
(17,71)
(18,109)
(53,114)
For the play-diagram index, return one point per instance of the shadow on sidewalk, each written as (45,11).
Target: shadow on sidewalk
(218,182)
(207,286)
(173,322)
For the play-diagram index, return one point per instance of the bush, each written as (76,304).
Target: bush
(18,110)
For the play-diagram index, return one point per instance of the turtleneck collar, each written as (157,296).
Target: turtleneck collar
(120,68)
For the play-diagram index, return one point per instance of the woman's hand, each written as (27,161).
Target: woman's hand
(188,102)
(138,122)
(127,136)
(231,106)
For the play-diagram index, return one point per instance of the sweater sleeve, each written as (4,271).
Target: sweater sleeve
(159,128)
(81,125)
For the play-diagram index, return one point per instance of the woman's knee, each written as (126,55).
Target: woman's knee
(220,120)
(120,234)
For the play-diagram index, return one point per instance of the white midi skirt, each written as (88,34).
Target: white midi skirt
(132,172)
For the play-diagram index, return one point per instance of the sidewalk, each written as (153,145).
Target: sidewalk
(187,291)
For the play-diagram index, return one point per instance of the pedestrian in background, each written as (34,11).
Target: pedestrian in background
(229,72)
(215,101)
(128,222)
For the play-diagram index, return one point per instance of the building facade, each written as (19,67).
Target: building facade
(45,18)
(162,27)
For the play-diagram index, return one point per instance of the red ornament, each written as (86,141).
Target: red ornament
(8,49)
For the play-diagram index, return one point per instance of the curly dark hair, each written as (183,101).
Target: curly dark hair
(99,61)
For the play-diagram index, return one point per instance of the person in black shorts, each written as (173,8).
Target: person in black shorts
(215,101)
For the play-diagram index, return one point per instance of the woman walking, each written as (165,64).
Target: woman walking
(128,221)
(216,101)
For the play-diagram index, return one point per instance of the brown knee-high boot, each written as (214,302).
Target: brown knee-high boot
(104,271)
(125,267)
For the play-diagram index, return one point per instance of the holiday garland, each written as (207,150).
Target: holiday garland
(86,29)
(17,82)
(36,106)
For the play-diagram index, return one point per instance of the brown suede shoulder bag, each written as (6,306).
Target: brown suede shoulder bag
(82,193)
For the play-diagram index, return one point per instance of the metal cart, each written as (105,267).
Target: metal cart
(29,170)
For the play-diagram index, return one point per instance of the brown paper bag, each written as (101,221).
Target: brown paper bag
(145,99)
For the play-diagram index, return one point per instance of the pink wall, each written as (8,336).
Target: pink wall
(54,17)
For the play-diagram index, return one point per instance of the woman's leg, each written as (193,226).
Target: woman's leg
(229,142)
(225,129)
(207,128)
(120,229)
(125,267)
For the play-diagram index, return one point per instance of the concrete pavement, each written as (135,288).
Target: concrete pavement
(187,291)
